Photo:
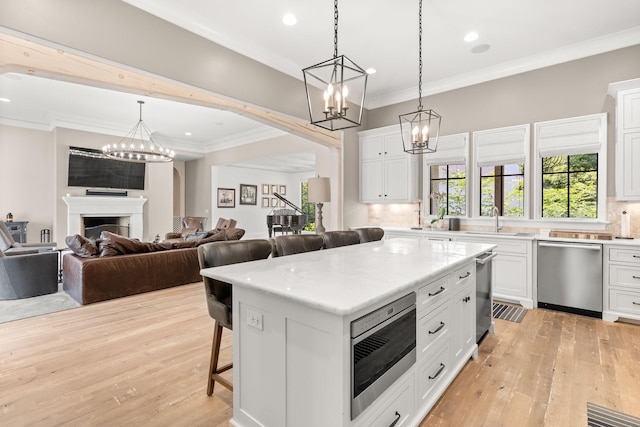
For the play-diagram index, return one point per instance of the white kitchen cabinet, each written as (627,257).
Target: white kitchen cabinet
(621,283)
(463,283)
(627,148)
(387,173)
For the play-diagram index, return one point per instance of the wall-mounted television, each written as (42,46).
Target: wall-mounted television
(88,168)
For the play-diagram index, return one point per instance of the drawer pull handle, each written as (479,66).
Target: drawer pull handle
(395,420)
(636,277)
(437,373)
(635,303)
(636,256)
(437,329)
(439,291)
(464,276)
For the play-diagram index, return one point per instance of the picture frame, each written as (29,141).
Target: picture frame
(274,202)
(274,189)
(283,190)
(248,194)
(265,188)
(226,197)
(265,202)
(282,204)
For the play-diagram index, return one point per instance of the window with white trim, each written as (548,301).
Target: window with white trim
(500,171)
(446,175)
(570,165)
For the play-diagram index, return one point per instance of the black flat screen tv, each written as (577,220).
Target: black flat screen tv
(88,168)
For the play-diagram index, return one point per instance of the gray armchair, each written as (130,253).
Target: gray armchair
(28,274)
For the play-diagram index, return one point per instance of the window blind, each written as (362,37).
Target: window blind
(502,146)
(452,149)
(577,135)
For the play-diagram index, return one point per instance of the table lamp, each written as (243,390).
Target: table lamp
(319,192)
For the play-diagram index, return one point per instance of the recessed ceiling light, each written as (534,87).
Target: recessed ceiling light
(188,133)
(371,70)
(5,100)
(289,19)
(470,37)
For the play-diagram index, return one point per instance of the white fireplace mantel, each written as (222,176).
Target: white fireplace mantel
(79,207)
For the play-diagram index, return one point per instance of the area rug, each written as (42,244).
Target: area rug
(599,416)
(36,306)
(508,312)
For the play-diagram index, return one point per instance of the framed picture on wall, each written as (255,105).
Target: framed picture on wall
(283,190)
(282,204)
(274,189)
(274,203)
(248,194)
(265,188)
(265,202)
(226,197)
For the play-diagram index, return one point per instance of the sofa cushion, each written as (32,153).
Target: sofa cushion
(188,231)
(220,235)
(81,246)
(234,233)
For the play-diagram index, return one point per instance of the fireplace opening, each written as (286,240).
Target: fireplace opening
(94,225)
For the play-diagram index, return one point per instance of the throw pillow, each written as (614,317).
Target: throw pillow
(221,235)
(113,244)
(82,246)
(235,233)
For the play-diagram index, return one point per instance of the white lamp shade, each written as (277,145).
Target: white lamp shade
(319,190)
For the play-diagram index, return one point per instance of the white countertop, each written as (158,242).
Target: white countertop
(344,280)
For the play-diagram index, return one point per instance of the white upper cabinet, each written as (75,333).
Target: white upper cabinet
(627,95)
(387,173)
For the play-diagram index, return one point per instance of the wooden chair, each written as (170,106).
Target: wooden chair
(219,294)
(291,244)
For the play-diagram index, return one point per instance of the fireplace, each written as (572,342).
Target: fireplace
(83,208)
(94,225)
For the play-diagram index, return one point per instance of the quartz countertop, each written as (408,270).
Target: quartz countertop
(347,279)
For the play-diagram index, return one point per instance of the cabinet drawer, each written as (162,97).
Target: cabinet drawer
(624,301)
(463,275)
(432,329)
(433,293)
(397,407)
(433,372)
(625,255)
(622,275)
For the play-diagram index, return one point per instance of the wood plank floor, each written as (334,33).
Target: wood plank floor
(143,360)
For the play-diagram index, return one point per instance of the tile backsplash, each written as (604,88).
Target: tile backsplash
(406,215)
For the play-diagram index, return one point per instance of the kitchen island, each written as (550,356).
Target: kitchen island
(292,334)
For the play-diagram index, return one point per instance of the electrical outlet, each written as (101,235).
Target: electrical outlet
(254,319)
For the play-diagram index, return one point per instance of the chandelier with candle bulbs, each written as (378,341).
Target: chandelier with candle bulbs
(420,129)
(138,146)
(339,79)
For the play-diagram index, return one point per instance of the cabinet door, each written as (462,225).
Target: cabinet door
(396,172)
(629,176)
(393,145)
(371,148)
(510,276)
(371,181)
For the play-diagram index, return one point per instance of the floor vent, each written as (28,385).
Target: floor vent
(599,416)
(508,312)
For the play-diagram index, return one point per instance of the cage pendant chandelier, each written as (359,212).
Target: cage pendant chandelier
(420,129)
(138,146)
(335,88)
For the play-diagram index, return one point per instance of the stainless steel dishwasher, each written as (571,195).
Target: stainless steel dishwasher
(570,277)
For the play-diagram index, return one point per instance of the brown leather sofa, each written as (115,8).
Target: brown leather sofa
(90,276)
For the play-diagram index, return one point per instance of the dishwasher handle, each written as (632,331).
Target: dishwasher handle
(486,259)
(570,246)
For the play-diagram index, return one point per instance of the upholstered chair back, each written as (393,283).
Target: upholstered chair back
(290,244)
(370,234)
(335,239)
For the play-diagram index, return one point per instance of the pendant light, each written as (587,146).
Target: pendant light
(421,128)
(339,79)
(132,147)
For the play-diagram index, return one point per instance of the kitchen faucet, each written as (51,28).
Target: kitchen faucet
(496,212)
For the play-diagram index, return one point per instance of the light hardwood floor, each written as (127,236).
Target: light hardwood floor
(143,360)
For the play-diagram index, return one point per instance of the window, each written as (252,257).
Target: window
(307,207)
(449,181)
(571,157)
(570,186)
(502,186)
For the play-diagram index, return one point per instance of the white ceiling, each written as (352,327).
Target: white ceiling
(520,35)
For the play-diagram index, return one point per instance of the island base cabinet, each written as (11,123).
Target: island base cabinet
(432,375)
(396,408)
